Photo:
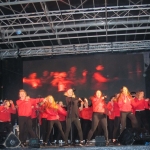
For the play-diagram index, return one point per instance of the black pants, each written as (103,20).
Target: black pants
(142,119)
(35,125)
(114,127)
(50,126)
(77,123)
(110,128)
(63,124)
(43,129)
(148,117)
(116,130)
(86,126)
(6,126)
(131,116)
(25,127)
(96,117)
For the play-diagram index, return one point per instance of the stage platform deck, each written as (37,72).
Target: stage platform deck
(122,147)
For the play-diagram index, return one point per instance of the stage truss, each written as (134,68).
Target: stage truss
(57,27)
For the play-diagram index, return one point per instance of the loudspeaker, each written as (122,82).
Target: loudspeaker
(126,137)
(34,143)
(9,140)
(131,137)
(100,141)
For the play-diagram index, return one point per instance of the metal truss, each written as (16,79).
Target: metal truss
(38,23)
(77,49)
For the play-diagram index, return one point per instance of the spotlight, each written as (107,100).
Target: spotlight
(18,32)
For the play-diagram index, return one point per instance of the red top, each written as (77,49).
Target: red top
(34,111)
(147,104)
(110,108)
(52,113)
(62,117)
(43,113)
(139,104)
(125,103)
(5,114)
(25,107)
(98,105)
(116,109)
(86,113)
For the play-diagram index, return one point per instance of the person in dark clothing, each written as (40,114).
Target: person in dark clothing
(72,115)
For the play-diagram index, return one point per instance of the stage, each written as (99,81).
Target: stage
(132,147)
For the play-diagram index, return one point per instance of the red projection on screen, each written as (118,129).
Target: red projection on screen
(98,80)
(98,76)
(32,80)
(63,80)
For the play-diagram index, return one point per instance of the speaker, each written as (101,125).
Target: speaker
(100,141)
(34,143)
(132,137)
(9,140)
(126,137)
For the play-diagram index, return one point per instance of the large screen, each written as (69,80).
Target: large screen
(84,73)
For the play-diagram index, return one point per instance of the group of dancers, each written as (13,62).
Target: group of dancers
(111,116)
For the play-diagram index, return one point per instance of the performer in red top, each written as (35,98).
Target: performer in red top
(114,118)
(99,114)
(24,105)
(139,106)
(125,102)
(6,109)
(43,120)
(85,117)
(111,117)
(116,130)
(52,110)
(35,118)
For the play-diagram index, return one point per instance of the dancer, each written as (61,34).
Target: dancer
(24,105)
(139,106)
(6,109)
(52,110)
(111,117)
(116,130)
(125,102)
(43,120)
(114,119)
(72,115)
(99,114)
(85,117)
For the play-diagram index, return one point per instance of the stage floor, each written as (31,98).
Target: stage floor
(122,147)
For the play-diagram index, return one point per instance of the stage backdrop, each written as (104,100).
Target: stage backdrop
(84,73)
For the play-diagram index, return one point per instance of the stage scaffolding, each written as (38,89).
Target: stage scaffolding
(57,27)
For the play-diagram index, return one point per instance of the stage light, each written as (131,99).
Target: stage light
(18,32)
